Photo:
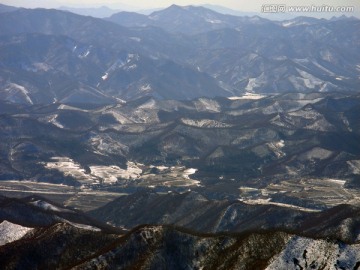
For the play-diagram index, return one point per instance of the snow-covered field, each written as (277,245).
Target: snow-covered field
(105,175)
(322,191)
(70,168)
(111,174)
(177,176)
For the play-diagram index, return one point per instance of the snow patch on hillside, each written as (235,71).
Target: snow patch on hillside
(316,153)
(306,253)
(54,121)
(255,83)
(354,166)
(309,80)
(276,148)
(83,226)
(205,123)
(105,77)
(137,39)
(150,104)
(316,120)
(105,145)
(10,232)
(70,108)
(323,68)
(206,104)
(145,88)
(214,21)
(15,89)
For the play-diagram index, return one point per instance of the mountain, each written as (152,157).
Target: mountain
(65,245)
(36,211)
(195,212)
(5,8)
(92,31)
(184,19)
(131,19)
(211,141)
(102,69)
(45,69)
(99,12)
(240,54)
(253,149)
(303,58)
(85,59)
(62,69)
(229,11)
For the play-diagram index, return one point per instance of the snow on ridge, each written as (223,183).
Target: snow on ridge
(294,23)
(269,202)
(213,21)
(10,232)
(205,123)
(206,104)
(131,67)
(309,80)
(323,68)
(288,23)
(70,108)
(137,39)
(354,166)
(86,54)
(247,95)
(54,121)
(300,251)
(47,206)
(105,77)
(14,88)
(276,148)
(83,226)
(145,88)
(254,83)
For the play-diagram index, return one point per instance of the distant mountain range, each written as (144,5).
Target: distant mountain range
(176,53)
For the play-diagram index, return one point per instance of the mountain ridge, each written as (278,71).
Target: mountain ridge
(229,58)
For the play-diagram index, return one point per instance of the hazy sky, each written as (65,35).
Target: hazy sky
(241,5)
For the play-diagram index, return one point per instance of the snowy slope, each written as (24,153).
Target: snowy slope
(10,232)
